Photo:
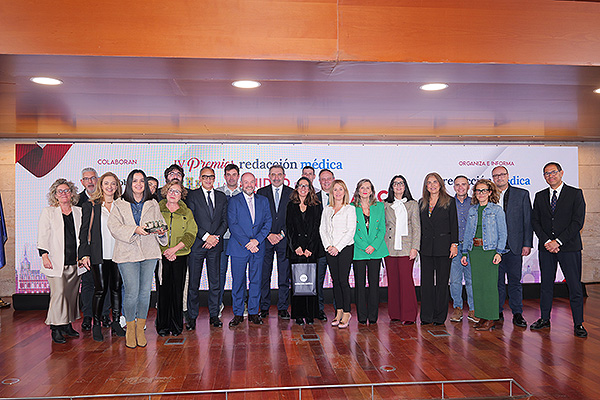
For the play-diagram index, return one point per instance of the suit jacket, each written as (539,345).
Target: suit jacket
(278,218)
(241,227)
(303,232)
(566,222)
(517,207)
(374,236)
(93,249)
(440,230)
(129,246)
(51,238)
(217,225)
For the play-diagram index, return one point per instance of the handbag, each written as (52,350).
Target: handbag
(304,278)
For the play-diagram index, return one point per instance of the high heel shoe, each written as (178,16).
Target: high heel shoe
(338,316)
(345,325)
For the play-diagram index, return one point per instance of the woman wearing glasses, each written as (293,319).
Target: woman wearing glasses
(485,241)
(136,251)
(170,275)
(57,244)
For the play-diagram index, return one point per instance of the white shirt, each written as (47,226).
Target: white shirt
(108,241)
(501,201)
(324,198)
(338,230)
(558,190)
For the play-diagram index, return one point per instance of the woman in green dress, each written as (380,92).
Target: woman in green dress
(484,243)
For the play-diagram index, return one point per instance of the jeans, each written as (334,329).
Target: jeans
(457,272)
(137,285)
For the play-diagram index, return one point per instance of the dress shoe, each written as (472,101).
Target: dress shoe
(190,325)
(471,316)
(255,319)
(4,304)
(67,330)
(264,313)
(284,314)
(216,322)
(457,315)
(300,321)
(310,321)
(518,320)
(488,325)
(343,325)
(237,319)
(57,336)
(106,321)
(540,324)
(163,332)
(580,331)
(86,325)
(322,316)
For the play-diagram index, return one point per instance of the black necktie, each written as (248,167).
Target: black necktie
(211,208)
(553,202)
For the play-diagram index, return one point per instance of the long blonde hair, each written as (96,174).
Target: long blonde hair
(98,196)
(346,198)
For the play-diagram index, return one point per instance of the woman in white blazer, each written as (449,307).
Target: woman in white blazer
(58,230)
(136,251)
(338,225)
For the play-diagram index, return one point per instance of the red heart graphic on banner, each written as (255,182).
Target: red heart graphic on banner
(40,161)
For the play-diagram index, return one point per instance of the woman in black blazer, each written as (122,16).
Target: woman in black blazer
(439,245)
(303,218)
(95,251)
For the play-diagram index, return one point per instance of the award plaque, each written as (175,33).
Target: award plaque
(153,226)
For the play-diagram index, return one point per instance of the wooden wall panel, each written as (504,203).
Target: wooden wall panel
(255,29)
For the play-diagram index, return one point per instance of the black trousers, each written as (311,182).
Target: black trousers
(86,299)
(169,311)
(367,299)
(339,266)
(435,274)
(213,273)
(106,276)
(570,264)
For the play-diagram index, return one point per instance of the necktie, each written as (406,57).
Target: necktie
(276,199)
(211,207)
(251,207)
(553,201)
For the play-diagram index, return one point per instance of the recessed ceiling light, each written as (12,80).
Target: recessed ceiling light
(597,91)
(246,84)
(42,80)
(434,86)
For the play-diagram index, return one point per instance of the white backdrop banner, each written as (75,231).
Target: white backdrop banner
(39,166)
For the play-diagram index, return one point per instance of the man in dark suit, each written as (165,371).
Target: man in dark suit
(558,217)
(517,208)
(326,179)
(249,220)
(209,207)
(278,195)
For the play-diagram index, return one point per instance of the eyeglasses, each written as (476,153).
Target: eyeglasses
(398,184)
(207,177)
(174,191)
(303,185)
(63,191)
(551,173)
(91,179)
(499,175)
(481,191)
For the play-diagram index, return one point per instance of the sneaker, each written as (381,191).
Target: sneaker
(471,316)
(457,315)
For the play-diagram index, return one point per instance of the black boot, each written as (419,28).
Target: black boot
(57,336)
(116,329)
(67,330)
(97,331)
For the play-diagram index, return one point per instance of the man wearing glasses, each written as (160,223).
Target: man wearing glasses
(517,208)
(173,172)
(558,217)
(89,178)
(209,207)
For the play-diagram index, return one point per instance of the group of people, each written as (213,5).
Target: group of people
(116,240)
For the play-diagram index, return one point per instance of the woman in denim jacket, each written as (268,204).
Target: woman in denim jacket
(485,241)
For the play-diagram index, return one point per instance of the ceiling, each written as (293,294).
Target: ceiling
(192,99)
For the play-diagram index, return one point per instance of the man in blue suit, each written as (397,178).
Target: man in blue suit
(249,223)
(278,195)
(517,208)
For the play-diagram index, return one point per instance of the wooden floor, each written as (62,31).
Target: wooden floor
(552,364)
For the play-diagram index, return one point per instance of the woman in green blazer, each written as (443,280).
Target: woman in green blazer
(369,249)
